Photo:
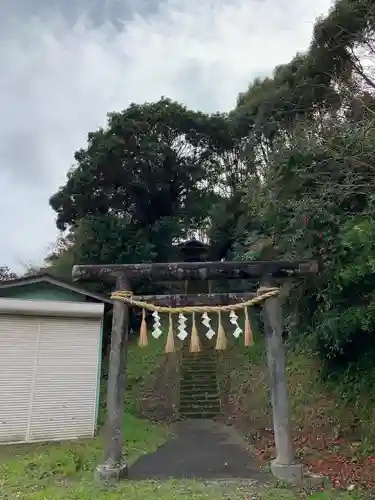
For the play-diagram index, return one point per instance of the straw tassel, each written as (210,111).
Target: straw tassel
(170,345)
(221,342)
(143,339)
(195,345)
(248,334)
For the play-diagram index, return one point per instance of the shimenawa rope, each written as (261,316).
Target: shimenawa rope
(127,296)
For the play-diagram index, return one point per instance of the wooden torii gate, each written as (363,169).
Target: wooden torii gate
(267,273)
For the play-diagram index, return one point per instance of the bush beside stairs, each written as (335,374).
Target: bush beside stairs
(199,392)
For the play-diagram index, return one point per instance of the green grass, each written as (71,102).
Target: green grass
(64,471)
(142,363)
(30,471)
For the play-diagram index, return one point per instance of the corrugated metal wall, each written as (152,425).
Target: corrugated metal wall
(48,377)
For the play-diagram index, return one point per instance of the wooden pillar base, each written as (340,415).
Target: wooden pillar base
(292,473)
(108,472)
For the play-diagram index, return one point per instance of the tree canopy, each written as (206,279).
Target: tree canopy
(145,178)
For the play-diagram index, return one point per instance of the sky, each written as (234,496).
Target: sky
(66,63)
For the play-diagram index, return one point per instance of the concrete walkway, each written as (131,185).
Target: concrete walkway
(202,449)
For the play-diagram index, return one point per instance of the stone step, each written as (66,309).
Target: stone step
(201,403)
(198,368)
(192,379)
(208,403)
(201,385)
(201,381)
(198,390)
(190,359)
(211,373)
(195,364)
(198,372)
(198,380)
(201,396)
(191,362)
(204,353)
(201,357)
(195,359)
(192,384)
(208,348)
(198,359)
(203,373)
(199,414)
(193,388)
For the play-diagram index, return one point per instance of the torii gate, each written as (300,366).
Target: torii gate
(267,273)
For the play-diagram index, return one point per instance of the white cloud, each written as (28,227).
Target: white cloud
(58,82)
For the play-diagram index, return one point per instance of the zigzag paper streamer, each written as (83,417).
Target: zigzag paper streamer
(182,333)
(233,318)
(206,320)
(156,332)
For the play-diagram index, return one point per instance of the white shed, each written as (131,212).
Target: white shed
(50,353)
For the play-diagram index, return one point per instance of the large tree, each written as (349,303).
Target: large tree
(145,176)
(147,164)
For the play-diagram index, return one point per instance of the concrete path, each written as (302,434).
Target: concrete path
(201,449)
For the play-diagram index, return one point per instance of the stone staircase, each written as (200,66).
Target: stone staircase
(199,393)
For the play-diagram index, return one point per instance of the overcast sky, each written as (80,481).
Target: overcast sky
(66,63)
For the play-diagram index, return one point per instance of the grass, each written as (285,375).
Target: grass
(325,403)
(56,470)
(142,363)
(64,471)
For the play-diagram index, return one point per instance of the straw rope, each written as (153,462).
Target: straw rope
(127,297)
